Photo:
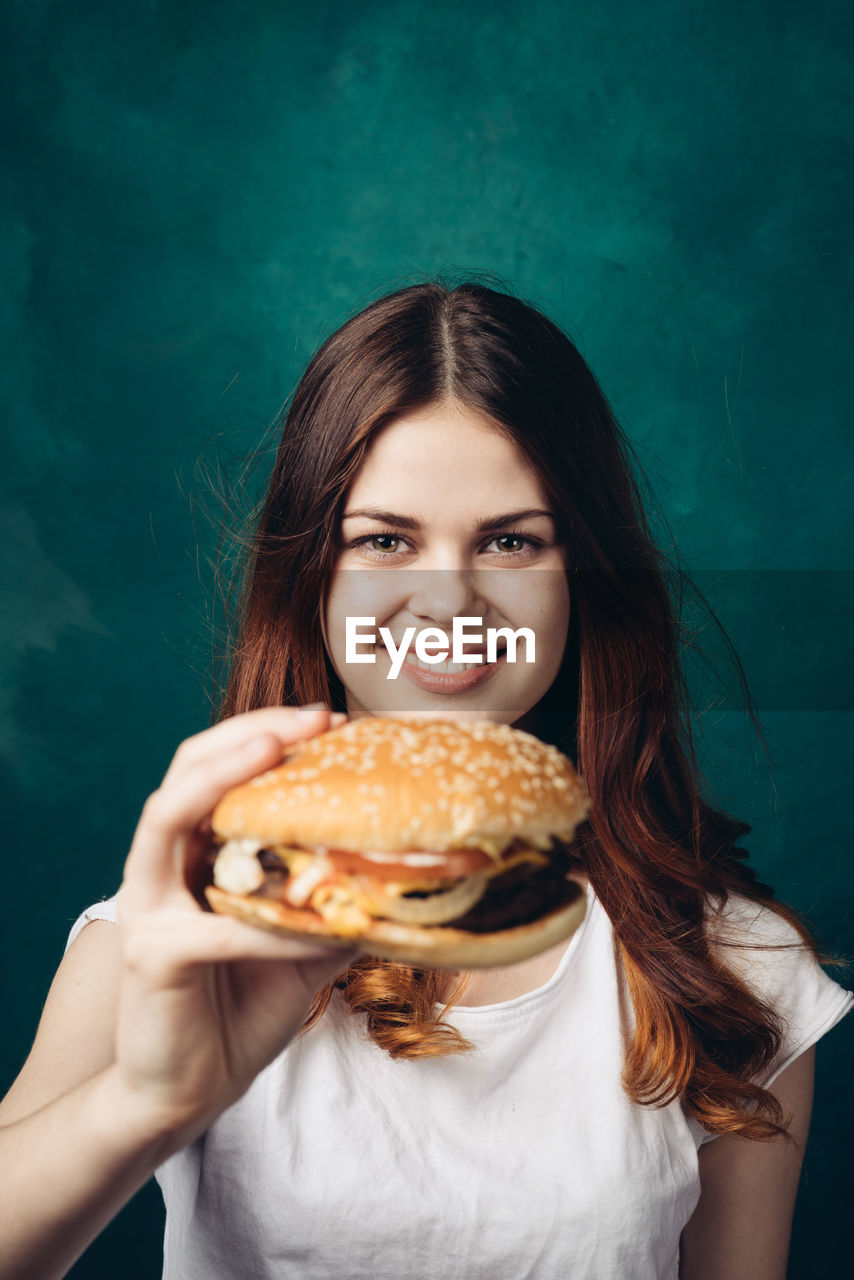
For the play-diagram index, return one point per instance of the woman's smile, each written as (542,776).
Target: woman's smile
(448,676)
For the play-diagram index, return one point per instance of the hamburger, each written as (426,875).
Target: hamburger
(427,841)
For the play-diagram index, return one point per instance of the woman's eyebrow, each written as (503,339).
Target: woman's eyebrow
(511,517)
(409,522)
(385,517)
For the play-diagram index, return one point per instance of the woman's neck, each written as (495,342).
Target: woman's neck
(496,986)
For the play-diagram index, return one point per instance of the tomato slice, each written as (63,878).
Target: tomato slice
(451,864)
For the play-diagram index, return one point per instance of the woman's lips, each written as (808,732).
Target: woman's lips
(458,681)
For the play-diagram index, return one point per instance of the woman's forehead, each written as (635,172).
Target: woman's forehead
(443,456)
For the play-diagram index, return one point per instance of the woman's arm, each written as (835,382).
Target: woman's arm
(741,1227)
(70,1166)
(154,1025)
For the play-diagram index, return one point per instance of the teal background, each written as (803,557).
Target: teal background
(196,194)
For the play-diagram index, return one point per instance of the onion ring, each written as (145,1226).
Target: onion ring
(438,908)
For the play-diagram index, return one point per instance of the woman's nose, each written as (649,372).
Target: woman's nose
(440,595)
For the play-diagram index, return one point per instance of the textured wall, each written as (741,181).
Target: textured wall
(198,193)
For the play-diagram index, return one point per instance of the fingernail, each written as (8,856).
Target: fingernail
(338,717)
(311,708)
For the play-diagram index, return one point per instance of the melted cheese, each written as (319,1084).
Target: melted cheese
(335,903)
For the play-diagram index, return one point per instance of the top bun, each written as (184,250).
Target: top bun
(390,784)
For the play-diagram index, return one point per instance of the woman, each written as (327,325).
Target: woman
(632,1104)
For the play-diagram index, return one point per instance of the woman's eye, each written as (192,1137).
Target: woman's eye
(380,546)
(510,542)
(514,544)
(384,542)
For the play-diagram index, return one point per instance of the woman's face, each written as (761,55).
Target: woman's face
(447,519)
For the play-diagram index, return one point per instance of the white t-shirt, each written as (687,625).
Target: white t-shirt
(524,1159)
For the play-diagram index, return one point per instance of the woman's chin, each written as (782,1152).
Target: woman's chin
(460,714)
(440,709)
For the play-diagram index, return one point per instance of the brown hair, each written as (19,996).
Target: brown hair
(656,853)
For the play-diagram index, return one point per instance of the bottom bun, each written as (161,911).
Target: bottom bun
(430,947)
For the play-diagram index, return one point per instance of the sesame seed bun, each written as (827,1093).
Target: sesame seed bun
(411,786)
(388,784)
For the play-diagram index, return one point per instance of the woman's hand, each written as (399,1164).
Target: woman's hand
(205,1001)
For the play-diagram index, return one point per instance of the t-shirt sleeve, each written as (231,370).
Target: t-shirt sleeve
(768,954)
(106,910)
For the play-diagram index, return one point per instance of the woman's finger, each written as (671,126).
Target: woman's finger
(167,949)
(290,724)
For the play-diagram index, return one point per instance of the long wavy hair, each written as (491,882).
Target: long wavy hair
(657,854)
